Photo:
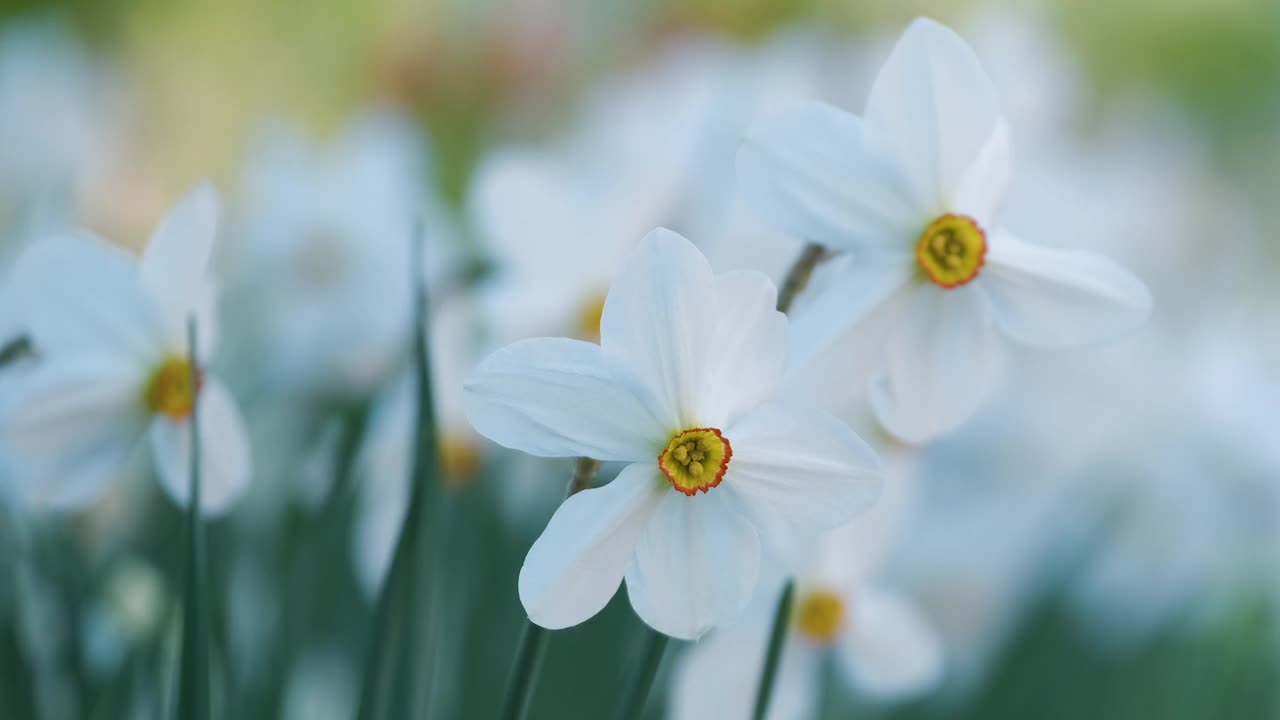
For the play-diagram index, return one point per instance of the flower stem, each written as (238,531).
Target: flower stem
(193,681)
(533,639)
(395,682)
(654,648)
(781,617)
(524,674)
(13,349)
(584,473)
(799,274)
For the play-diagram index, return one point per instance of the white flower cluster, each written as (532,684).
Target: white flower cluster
(743,446)
(694,366)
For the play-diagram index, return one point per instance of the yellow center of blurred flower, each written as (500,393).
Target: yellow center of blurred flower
(171,390)
(696,459)
(819,615)
(459,458)
(588,327)
(952,250)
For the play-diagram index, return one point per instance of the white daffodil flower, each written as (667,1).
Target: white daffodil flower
(110,330)
(683,386)
(913,193)
(329,232)
(55,113)
(886,648)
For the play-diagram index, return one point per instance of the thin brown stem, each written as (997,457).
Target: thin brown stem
(798,276)
(584,473)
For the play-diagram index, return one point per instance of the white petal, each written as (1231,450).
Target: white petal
(797,471)
(225,464)
(77,293)
(889,650)
(1060,298)
(10,328)
(857,287)
(750,346)
(941,361)
(555,397)
(934,110)
(175,264)
(717,677)
(526,213)
(980,193)
(656,321)
(809,171)
(695,566)
(72,426)
(577,564)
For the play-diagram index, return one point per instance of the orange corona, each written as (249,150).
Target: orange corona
(695,460)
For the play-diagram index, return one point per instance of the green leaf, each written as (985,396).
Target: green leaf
(399,666)
(193,680)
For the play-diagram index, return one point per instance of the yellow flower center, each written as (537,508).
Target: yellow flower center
(819,615)
(170,390)
(696,459)
(459,459)
(588,325)
(952,250)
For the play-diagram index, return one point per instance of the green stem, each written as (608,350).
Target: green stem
(524,674)
(533,639)
(654,647)
(400,636)
(799,274)
(781,620)
(11,350)
(193,683)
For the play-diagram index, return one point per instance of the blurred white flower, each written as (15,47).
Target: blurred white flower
(683,387)
(110,330)
(913,193)
(133,606)
(1181,489)
(652,147)
(53,113)
(328,232)
(978,551)
(886,648)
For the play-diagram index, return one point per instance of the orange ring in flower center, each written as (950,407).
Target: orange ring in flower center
(695,460)
(951,250)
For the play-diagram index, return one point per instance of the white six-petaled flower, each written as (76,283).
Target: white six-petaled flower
(683,387)
(912,193)
(110,332)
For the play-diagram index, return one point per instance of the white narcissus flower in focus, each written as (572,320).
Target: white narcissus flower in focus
(885,647)
(110,330)
(683,386)
(913,193)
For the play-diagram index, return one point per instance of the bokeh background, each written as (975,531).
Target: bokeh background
(1102,541)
